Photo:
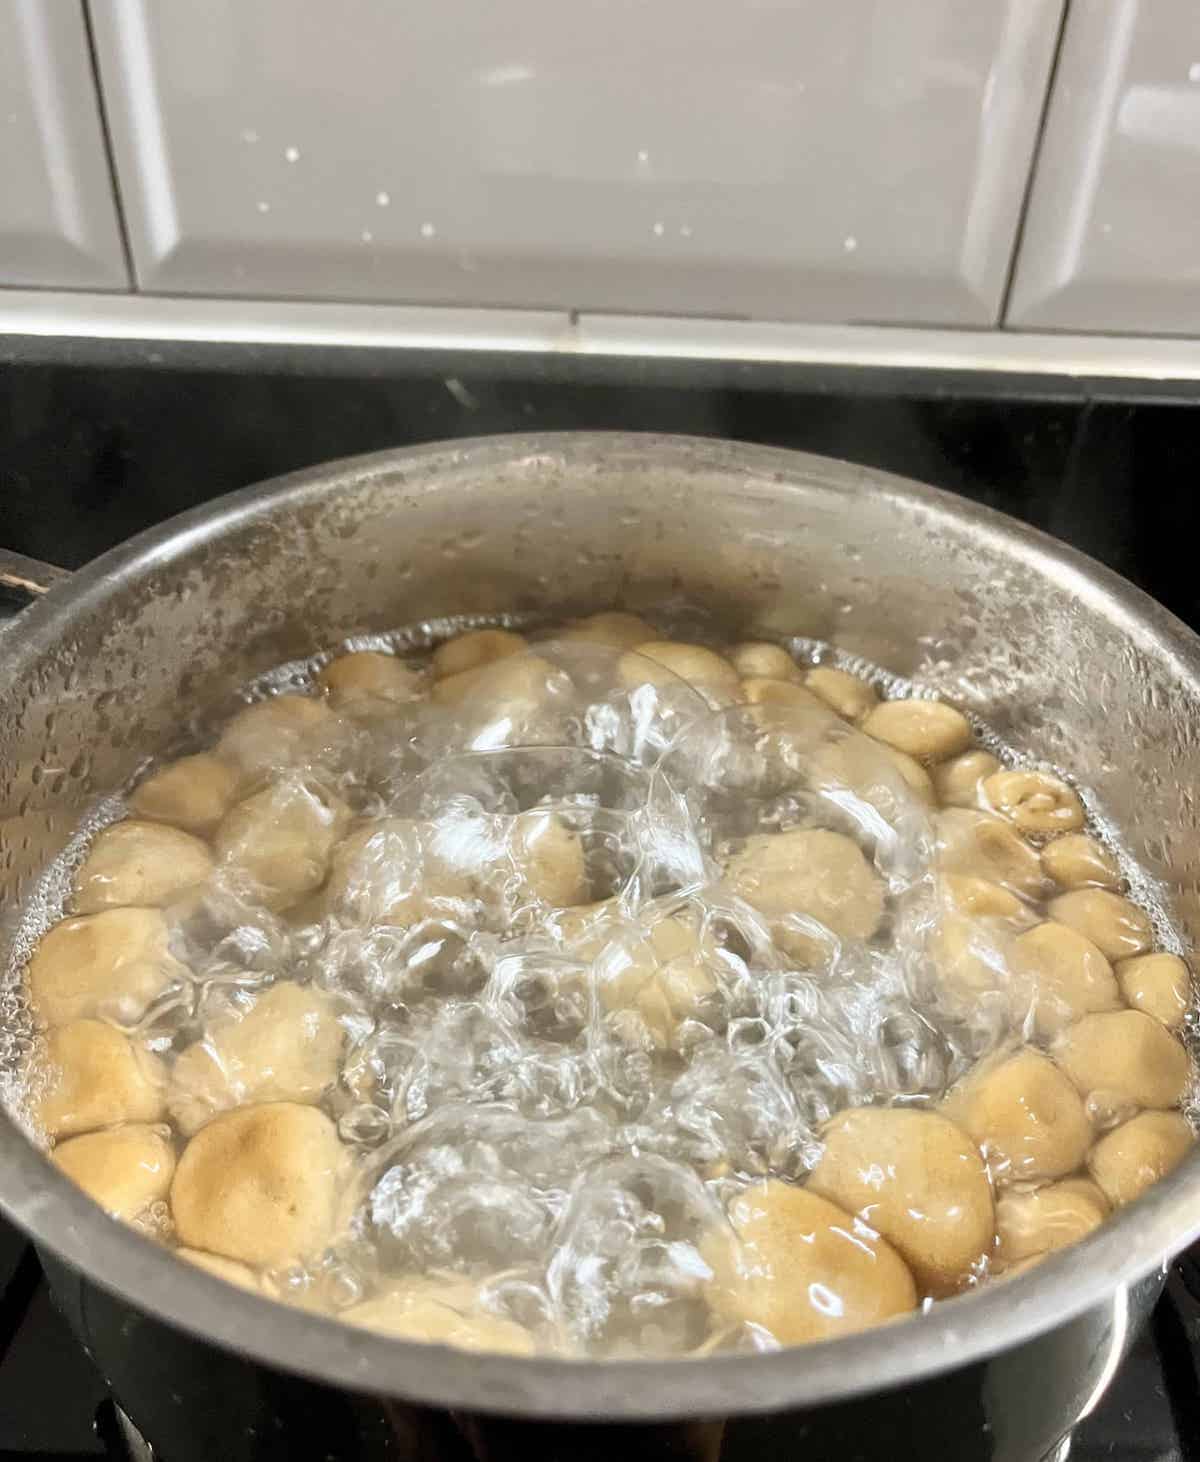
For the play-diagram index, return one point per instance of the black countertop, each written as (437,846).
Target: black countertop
(91,453)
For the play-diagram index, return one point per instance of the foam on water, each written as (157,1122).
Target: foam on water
(44,906)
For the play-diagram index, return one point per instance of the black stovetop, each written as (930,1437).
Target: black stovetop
(93,450)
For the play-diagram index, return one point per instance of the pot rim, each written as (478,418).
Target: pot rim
(56,1215)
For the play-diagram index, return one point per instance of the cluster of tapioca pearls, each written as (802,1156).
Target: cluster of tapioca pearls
(1036,1146)
(256,1184)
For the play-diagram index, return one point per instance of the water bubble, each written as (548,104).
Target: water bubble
(475,1186)
(628,1273)
(364,1126)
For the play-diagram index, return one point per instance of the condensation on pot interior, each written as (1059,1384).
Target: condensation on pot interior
(516,1114)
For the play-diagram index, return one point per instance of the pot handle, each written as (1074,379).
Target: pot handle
(26,579)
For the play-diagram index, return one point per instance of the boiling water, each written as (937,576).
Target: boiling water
(513,1118)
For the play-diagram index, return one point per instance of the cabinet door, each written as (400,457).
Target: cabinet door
(58,219)
(1112,240)
(777,159)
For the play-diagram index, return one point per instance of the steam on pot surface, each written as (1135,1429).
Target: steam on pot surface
(604,989)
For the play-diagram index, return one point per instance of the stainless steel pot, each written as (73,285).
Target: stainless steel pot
(1060,655)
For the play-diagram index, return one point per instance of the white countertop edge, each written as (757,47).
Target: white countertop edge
(182,319)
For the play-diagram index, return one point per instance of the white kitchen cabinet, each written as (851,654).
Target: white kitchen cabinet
(1112,239)
(766,159)
(58,218)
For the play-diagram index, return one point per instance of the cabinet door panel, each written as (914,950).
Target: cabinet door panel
(58,219)
(1111,240)
(776,159)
